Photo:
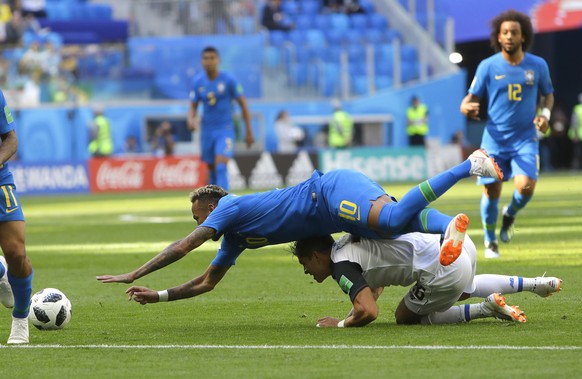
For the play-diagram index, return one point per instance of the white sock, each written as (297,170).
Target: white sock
(486,284)
(455,314)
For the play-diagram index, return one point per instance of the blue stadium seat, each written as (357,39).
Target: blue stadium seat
(384,68)
(408,53)
(410,71)
(303,21)
(297,37)
(331,55)
(271,57)
(355,37)
(330,81)
(315,39)
(367,5)
(356,53)
(277,38)
(290,8)
(359,84)
(374,36)
(336,37)
(376,20)
(357,68)
(310,7)
(391,35)
(340,21)
(384,52)
(359,21)
(322,22)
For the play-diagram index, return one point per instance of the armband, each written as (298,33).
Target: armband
(163,295)
(547,113)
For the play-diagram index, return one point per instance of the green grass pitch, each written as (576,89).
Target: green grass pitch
(260,320)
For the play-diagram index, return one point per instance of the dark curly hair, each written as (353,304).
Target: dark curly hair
(306,247)
(210,193)
(512,15)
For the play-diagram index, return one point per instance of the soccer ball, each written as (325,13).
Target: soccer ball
(50,309)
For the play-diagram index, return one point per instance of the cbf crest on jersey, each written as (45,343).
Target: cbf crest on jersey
(529,77)
(220,87)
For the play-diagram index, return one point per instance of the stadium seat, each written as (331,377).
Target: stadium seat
(410,71)
(310,7)
(336,37)
(340,21)
(329,86)
(359,21)
(290,8)
(408,53)
(383,82)
(331,55)
(374,36)
(315,39)
(359,84)
(277,38)
(303,21)
(367,5)
(297,37)
(356,37)
(356,53)
(271,57)
(377,21)
(322,22)
(391,35)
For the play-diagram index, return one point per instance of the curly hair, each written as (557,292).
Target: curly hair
(210,193)
(306,247)
(512,15)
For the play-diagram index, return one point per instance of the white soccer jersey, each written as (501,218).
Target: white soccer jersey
(394,262)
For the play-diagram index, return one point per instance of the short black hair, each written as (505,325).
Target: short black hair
(210,193)
(306,247)
(210,49)
(512,15)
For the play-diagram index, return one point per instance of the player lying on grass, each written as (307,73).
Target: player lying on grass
(363,267)
(341,200)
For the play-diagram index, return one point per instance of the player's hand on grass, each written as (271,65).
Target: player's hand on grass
(327,322)
(124,278)
(142,295)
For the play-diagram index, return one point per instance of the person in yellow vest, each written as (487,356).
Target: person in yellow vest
(101,144)
(417,122)
(341,128)
(575,134)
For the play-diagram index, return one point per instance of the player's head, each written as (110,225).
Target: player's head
(210,59)
(314,254)
(511,31)
(204,200)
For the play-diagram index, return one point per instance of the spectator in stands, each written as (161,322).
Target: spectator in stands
(341,128)
(36,8)
(101,144)
(51,60)
(289,135)
(273,17)
(342,6)
(131,145)
(32,60)
(14,29)
(219,12)
(163,141)
(575,134)
(417,122)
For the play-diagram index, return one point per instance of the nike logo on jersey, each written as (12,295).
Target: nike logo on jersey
(11,210)
(498,77)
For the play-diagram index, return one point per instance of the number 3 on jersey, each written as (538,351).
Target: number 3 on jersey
(349,210)
(211,98)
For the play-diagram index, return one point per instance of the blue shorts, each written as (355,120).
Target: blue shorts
(10,209)
(217,143)
(349,195)
(523,160)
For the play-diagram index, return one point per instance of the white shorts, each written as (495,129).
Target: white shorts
(439,290)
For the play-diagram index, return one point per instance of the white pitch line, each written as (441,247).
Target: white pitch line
(294,347)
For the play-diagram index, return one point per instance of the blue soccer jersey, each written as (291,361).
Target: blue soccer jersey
(6,125)
(513,94)
(216,97)
(323,204)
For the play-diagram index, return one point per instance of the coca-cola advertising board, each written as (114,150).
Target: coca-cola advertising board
(144,174)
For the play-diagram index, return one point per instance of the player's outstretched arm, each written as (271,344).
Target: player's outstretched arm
(542,121)
(9,146)
(170,254)
(197,286)
(470,106)
(364,312)
(249,135)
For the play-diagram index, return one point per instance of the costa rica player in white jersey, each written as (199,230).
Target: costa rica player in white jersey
(363,267)
(513,80)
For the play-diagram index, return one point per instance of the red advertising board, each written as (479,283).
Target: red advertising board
(145,174)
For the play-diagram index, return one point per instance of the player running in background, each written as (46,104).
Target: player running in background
(363,267)
(216,90)
(15,269)
(340,200)
(513,80)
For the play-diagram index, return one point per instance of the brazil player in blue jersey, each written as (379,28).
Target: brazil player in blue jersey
(15,269)
(513,81)
(340,200)
(216,90)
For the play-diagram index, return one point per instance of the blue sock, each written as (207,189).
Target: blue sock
(211,176)
(2,270)
(518,202)
(22,290)
(398,217)
(221,175)
(428,221)
(489,213)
